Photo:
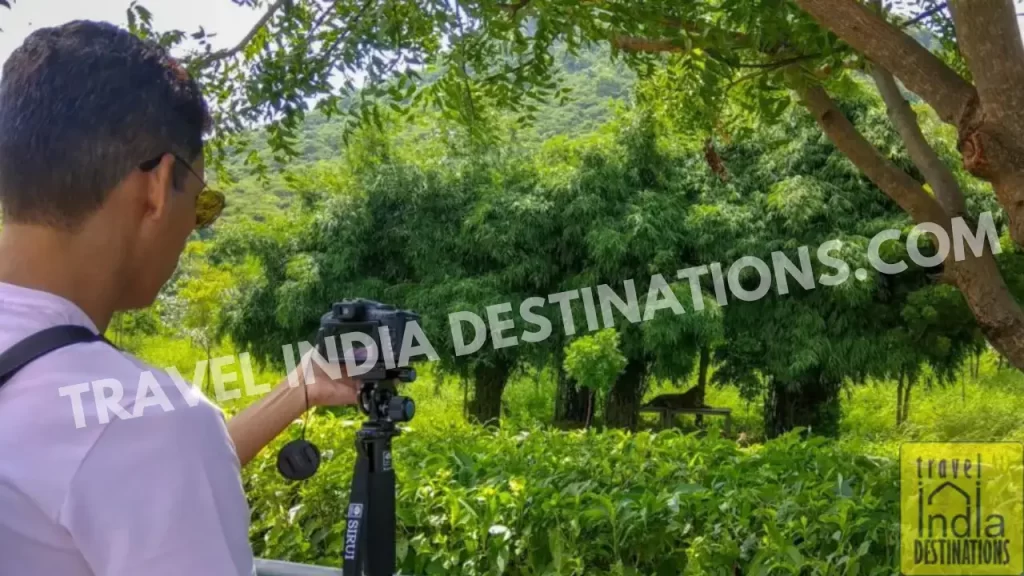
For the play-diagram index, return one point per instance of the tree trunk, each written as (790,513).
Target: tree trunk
(999,316)
(702,381)
(899,400)
(590,407)
(488,385)
(623,405)
(906,399)
(811,404)
(570,402)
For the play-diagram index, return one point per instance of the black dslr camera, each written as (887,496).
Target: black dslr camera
(384,327)
(360,330)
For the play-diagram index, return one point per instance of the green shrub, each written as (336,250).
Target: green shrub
(474,501)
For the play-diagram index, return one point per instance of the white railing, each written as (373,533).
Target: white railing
(279,568)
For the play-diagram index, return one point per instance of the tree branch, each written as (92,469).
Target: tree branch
(936,173)
(325,54)
(992,128)
(514,7)
(229,52)
(923,15)
(778,63)
(884,43)
(976,276)
(895,183)
(319,21)
(903,117)
(634,44)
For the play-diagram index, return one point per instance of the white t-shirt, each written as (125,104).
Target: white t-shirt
(97,494)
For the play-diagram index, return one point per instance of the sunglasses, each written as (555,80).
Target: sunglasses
(209,204)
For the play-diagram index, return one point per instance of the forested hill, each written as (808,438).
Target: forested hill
(596,84)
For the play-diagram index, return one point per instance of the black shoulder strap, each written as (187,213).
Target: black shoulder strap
(41,343)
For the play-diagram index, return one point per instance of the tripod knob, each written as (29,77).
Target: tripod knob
(401,409)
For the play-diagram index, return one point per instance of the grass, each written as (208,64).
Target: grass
(986,408)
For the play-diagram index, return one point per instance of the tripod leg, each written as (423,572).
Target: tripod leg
(380,524)
(358,511)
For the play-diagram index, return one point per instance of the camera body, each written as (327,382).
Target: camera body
(385,326)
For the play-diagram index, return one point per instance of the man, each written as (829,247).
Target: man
(101,164)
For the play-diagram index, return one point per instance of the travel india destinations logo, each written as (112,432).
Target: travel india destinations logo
(962,508)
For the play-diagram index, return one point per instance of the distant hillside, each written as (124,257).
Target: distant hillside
(594,80)
(595,83)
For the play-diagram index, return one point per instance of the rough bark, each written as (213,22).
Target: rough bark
(488,385)
(935,171)
(992,131)
(811,404)
(989,39)
(623,405)
(978,278)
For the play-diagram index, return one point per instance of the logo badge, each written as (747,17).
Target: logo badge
(962,508)
(355,510)
(386,464)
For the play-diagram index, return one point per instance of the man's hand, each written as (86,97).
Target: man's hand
(327,391)
(257,425)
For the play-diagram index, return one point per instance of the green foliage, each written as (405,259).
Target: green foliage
(548,502)
(508,223)
(529,500)
(594,361)
(128,328)
(475,63)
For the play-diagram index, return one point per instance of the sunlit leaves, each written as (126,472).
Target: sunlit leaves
(595,361)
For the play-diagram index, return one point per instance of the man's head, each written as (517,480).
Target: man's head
(101,133)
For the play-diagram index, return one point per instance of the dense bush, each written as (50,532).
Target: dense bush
(477,501)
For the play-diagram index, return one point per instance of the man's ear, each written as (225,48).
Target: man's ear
(158,190)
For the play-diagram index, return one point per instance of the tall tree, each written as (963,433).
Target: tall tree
(469,58)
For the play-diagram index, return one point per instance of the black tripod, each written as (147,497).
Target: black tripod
(370,531)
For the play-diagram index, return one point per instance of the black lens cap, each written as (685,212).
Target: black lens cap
(298,460)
